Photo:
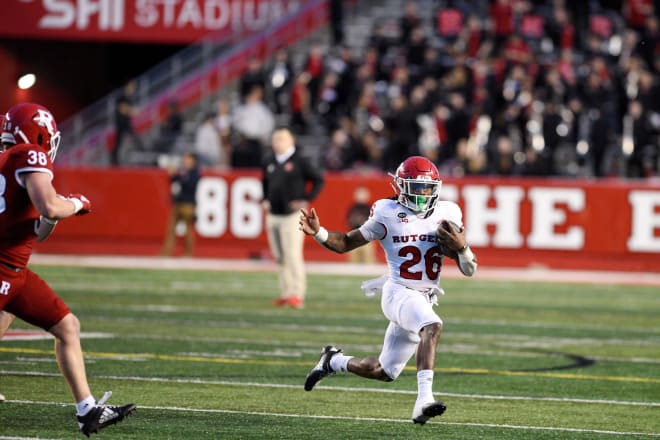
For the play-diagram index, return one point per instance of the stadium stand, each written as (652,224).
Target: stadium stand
(504,87)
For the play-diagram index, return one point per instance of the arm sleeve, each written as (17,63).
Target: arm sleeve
(30,159)
(372,230)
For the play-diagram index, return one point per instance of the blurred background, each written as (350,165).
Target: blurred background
(543,116)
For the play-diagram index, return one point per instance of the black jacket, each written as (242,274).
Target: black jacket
(284,182)
(184,185)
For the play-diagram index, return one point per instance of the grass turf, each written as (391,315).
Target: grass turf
(206,356)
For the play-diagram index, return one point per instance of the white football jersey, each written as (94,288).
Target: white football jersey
(410,242)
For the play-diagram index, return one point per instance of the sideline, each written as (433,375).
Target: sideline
(537,274)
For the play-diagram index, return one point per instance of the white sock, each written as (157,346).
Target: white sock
(425,385)
(85,405)
(339,362)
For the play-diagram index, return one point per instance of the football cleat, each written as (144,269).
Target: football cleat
(424,411)
(2,397)
(296,302)
(279,302)
(102,416)
(322,368)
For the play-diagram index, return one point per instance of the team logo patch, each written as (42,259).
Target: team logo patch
(46,120)
(288,167)
(401,215)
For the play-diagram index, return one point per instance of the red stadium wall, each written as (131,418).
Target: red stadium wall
(607,225)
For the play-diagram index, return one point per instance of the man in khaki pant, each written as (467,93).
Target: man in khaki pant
(286,175)
(184,188)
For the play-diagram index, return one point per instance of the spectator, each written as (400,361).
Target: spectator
(253,122)
(501,16)
(416,48)
(125,110)
(171,129)
(253,76)
(636,12)
(208,143)
(403,133)
(223,123)
(315,69)
(337,21)
(289,183)
(300,103)
(409,21)
(642,161)
(280,79)
(184,189)
(337,155)
(328,106)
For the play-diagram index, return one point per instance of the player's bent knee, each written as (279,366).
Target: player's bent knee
(372,367)
(432,330)
(391,372)
(68,327)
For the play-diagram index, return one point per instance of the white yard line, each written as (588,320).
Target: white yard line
(371,419)
(4,437)
(334,268)
(345,389)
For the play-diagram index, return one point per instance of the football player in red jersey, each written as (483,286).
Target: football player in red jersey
(29,210)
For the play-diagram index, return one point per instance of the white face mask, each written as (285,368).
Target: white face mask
(418,195)
(54,145)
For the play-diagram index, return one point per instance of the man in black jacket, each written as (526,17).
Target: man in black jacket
(286,175)
(184,183)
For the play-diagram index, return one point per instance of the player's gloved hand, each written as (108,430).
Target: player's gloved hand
(81,204)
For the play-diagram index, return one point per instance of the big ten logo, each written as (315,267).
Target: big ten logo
(238,205)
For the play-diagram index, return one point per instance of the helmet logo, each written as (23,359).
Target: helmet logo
(46,120)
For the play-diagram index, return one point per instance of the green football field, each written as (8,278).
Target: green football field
(204,355)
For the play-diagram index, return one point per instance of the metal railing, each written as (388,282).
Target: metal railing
(191,77)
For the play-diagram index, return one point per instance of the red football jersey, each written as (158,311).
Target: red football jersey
(18,217)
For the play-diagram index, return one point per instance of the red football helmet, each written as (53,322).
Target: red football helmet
(29,123)
(417,184)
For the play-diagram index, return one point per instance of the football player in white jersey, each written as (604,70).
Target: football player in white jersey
(416,231)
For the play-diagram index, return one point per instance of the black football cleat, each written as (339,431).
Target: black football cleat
(322,368)
(102,416)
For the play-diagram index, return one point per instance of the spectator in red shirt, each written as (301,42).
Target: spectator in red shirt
(501,16)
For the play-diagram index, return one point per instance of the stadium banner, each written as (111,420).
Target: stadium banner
(557,223)
(139,21)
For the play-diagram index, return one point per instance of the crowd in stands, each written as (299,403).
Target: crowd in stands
(499,87)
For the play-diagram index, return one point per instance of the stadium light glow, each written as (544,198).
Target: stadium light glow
(26,81)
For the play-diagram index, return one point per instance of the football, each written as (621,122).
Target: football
(449,225)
